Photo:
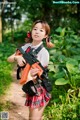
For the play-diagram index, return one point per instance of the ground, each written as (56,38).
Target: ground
(15,100)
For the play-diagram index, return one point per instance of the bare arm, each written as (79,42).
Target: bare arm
(11,58)
(16,58)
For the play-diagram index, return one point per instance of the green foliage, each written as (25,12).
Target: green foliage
(65,57)
(18,37)
(19,34)
(5,68)
(5,77)
(64,69)
(66,15)
(69,109)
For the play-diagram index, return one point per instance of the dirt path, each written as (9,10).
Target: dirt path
(15,97)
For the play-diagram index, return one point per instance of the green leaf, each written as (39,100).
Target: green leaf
(79,93)
(72,66)
(59,29)
(1,54)
(61,81)
(62,32)
(62,58)
(59,75)
(76,57)
(51,68)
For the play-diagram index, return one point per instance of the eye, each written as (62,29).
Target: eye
(35,29)
(41,30)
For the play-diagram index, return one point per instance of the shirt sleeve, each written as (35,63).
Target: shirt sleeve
(44,57)
(26,46)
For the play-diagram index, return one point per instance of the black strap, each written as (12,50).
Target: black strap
(38,49)
(19,70)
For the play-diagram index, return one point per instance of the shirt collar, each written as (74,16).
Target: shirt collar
(36,46)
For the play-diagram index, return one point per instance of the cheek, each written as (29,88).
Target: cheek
(43,35)
(32,33)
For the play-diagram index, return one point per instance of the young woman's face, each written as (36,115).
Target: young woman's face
(38,32)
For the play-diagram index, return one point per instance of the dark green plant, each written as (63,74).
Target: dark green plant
(65,58)
(64,70)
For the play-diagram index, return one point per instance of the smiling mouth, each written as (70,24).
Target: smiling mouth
(36,36)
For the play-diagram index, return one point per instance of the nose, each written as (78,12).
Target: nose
(37,31)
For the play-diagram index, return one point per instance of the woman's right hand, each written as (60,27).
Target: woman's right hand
(33,72)
(20,60)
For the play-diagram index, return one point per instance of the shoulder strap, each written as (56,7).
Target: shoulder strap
(38,49)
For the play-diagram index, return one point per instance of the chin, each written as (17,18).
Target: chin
(37,40)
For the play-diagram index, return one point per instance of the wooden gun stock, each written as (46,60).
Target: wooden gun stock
(24,74)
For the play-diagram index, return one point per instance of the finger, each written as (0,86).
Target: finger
(35,70)
(24,62)
(34,73)
(34,77)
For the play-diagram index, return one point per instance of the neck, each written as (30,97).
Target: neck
(34,43)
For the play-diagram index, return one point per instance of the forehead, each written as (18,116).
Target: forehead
(39,25)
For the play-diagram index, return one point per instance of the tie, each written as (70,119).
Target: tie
(28,49)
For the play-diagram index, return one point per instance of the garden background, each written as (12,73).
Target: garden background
(16,18)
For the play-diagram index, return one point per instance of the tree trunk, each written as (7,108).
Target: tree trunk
(0,29)
(78,11)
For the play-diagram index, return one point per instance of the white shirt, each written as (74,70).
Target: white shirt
(42,56)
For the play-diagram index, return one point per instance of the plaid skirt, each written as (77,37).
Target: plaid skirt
(39,99)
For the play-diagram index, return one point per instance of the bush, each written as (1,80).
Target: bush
(64,70)
(6,49)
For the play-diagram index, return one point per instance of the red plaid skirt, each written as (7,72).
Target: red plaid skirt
(38,100)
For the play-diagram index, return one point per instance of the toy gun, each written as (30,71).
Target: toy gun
(31,61)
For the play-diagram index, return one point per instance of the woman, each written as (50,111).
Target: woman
(37,103)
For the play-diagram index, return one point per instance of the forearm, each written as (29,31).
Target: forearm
(11,58)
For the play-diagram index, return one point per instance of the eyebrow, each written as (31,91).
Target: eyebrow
(40,28)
